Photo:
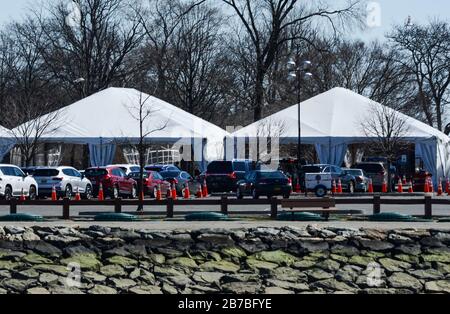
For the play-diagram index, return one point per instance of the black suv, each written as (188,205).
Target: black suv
(222,176)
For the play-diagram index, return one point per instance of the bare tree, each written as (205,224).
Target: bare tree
(35,126)
(386,129)
(272,23)
(89,54)
(142,111)
(425,51)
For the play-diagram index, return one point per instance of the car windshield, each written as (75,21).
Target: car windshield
(220,167)
(170,174)
(136,175)
(153,168)
(312,169)
(239,166)
(45,172)
(354,172)
(96,172)
(135,169)
(270,175)
(371,168)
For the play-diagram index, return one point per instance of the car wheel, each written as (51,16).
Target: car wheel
(321,191)
(133,192)
(32,195)
(239,195)
(255,194)
(8,193)
(115,192)
(68,191)
(88,193)
(286,196)
(351,187)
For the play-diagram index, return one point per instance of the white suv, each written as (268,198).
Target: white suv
(13,181)
(66,180)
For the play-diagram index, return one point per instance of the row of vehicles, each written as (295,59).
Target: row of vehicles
(116,180)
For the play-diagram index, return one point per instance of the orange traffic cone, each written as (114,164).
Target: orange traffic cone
(447,187)
(411,188)
(427,186)
(384,187)
(400,186)
(186,192)
(173,192)
(297,186)
(77,195)
(340,191)
(22,197)
(205,189)
(199,193)
(404,180)
(54,195)
(101,195)
(158,193)
(371,187)
(333,187)
(440,191)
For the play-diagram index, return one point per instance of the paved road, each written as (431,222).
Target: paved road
(438,210)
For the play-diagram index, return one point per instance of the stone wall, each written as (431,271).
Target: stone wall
(261,260)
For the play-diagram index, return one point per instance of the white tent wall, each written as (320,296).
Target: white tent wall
(335,119)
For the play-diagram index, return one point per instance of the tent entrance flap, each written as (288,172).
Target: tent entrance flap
(101,154)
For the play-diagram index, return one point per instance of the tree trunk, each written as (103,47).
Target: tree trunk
(259,97)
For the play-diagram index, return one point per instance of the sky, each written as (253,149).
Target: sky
(391,12)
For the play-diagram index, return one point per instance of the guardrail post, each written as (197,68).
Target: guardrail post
(170,205)
(66,208)
(376,204)
(13,206)
(224,205)
(428,207)
(274,208)
(118,205)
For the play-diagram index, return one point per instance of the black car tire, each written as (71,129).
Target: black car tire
(351,187)
(68,191)
(255,194)
(32,193)
(154,192)
(286,196)
(321,191)
(239,195)
(115,192)
(8,193)
(133,194)
(88,193)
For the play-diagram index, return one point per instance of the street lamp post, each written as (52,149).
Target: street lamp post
(297,72)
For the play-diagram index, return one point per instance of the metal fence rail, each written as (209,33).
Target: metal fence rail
(224,202)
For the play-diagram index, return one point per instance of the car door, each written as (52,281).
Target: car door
(124,187)
(78,179)
(70,179)
(21,179)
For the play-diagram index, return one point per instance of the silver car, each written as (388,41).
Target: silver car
(66,180)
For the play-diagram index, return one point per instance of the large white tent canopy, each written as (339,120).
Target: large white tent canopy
(111,117)
(7,142)
(335,119)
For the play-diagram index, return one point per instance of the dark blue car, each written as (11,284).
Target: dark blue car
(264,183)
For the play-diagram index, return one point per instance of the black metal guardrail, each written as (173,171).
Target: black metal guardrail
(224,202)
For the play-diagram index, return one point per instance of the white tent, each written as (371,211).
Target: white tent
(110,117)
(6,142)
(333,120)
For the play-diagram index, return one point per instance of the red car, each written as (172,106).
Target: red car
(114,181)
(152,180)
